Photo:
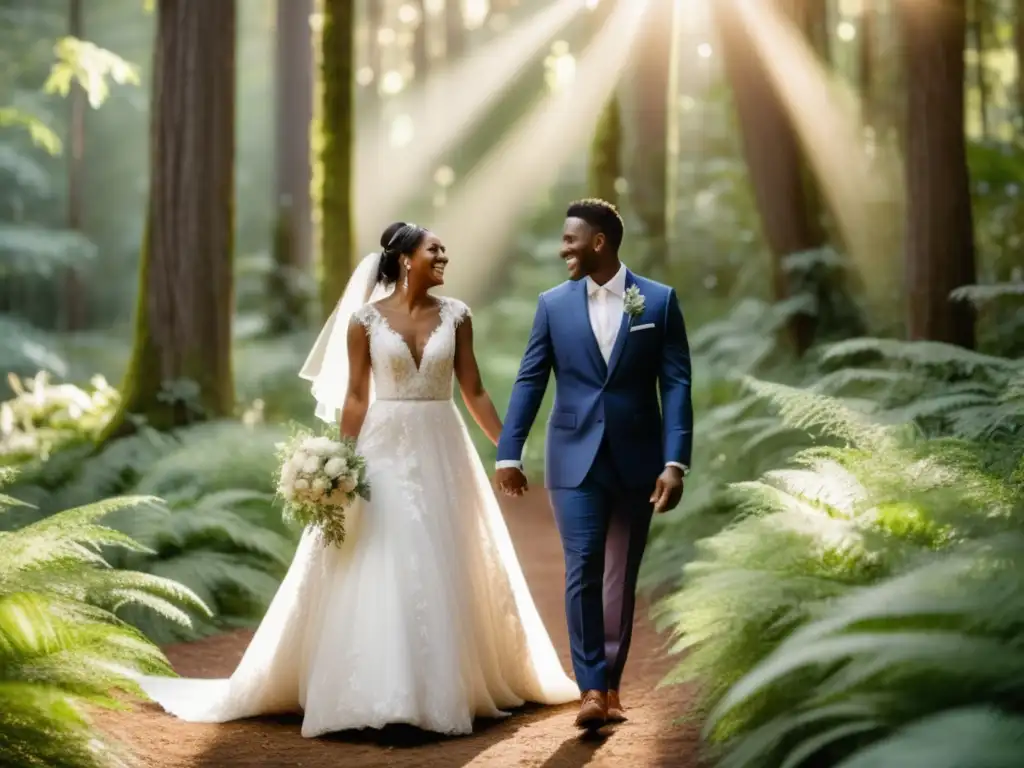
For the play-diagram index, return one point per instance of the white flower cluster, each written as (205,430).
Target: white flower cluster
(319,478)
(320,471)
(633,302)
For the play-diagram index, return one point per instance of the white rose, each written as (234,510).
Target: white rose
(335,467)
(301,484)
(347,484)
(316,493)
(288,473)
(320,484)
(298,459)
(312,465)
(320,445)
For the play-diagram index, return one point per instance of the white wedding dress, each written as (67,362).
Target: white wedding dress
(423,616)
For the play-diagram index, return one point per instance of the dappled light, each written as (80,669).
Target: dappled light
(820,348)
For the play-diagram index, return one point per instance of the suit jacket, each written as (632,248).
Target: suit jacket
(594,400)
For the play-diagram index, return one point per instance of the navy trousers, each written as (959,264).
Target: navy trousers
(603,526)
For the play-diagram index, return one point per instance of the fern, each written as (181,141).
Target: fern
(25,350)
(983,294)
(216,529)
(821,623)
(931,356)
(62,647)
(926,647)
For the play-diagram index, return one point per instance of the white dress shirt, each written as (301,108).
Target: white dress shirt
(604,304)
(605,307)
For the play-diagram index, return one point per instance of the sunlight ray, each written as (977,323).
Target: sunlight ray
(438,112)
(825,113)
(483,213)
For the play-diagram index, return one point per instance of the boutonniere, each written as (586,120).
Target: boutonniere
(633,302)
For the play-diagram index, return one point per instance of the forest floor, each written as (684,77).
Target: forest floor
(542,737)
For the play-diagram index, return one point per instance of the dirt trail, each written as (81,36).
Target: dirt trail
(542,737)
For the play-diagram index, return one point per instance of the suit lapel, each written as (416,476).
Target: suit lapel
(620,340)
(582,311)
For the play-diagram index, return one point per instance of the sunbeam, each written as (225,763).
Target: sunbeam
(437,113)
(825,114)
(484,210)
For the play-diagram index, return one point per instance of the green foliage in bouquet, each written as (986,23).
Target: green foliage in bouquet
(319,477)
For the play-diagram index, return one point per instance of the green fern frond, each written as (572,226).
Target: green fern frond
(979,736)
(62,648)
(826,416)
(62,539)
(985,294)
(918,354)
(866,381)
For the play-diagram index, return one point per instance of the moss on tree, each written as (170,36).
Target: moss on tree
(337,140)
(180,367)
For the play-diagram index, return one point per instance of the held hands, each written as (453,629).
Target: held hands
(668,490)
(511,481)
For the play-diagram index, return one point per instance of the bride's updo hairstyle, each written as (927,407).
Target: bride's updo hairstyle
(399,238)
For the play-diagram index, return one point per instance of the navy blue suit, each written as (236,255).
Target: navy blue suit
(608,439)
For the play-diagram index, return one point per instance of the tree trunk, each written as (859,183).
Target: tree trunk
(74,288)
(293,230)
(774,161)
(866,64)
(454,30)
(605,161)
(375,58)
(180,368)
(338,124)
(976,25)
(940,227)
(421,38)
(647,170)
(1018,44)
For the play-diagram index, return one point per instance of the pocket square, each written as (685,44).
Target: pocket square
(643,327)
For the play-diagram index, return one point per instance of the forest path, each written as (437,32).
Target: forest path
(542,737)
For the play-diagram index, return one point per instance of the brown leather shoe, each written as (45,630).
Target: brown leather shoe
(616,712)
(593,711)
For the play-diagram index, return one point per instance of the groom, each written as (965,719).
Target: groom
(614,457)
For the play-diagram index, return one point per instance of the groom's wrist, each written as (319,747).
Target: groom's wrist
(683,468)
(509,464)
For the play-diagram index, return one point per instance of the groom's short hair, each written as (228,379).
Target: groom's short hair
(602,216)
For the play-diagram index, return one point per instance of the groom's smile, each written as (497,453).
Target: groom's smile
(575,241)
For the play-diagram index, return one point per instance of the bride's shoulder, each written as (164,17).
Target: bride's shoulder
(366,316)
(458,310)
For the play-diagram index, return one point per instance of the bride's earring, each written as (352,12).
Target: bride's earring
(405,280)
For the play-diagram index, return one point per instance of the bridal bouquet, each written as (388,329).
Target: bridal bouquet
(320,477)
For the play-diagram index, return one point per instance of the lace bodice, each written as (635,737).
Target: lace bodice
(395,375)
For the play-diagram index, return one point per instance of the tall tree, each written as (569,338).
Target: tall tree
(939,227)
(293,224)
(647,161)
(74,297)
(774,159)
(866,63)
(1018,45)
(180,367)
(420,42)
(454,30)
(605,160)
(337,115)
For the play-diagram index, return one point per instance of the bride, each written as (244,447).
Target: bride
(423,616)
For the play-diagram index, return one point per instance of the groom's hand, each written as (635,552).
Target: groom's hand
(511,481)
(668,490)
